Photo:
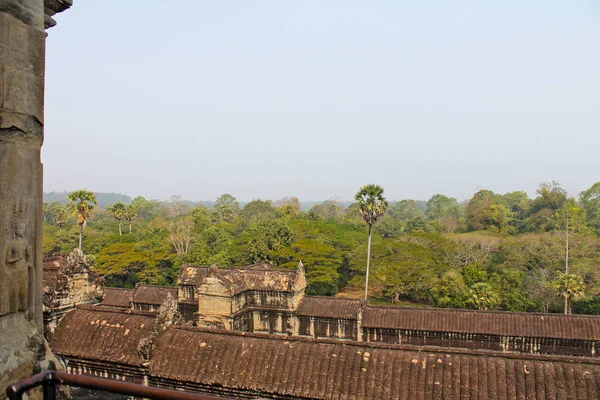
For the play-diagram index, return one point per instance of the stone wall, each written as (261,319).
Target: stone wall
(69,281)
(23,349)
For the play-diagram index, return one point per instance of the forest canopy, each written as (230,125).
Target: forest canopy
(494,251)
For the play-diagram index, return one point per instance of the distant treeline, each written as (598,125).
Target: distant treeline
(106,199)
(494,251)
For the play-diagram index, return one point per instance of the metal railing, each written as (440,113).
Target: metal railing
(50,380)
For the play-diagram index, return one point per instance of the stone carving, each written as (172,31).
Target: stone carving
(19,270)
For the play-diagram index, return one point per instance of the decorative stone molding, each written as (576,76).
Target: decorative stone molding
(52,7)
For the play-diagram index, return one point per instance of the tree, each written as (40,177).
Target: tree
(146,209)
(227,200)
(329,209)
(567,220)
(569,286)
(260,239)
(46,211)
(518,204)
(590,201)
(483,296)
(82,202)
(484,212)
(173,206)
(180,234)
(443,210)
(372,205)
(117,211)
(226,208)
(255,211)
(288,207)
(59,214)
(130,214)
(397,218)
(551,198)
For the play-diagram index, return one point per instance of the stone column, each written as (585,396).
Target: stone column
(22,55)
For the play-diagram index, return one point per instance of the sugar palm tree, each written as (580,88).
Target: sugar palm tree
(117,210)
(371,205)
(130,214)
(60,215)
(82,202)
(570,286)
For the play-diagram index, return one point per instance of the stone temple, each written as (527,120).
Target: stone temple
(253,332)
(249,332)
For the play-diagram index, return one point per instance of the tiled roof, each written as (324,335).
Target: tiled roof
(98,333)
(117,297)
(271,366)
(241,279)
(584,327)
(150,294)
(328,307)
(55,261)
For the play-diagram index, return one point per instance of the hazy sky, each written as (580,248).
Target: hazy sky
(265,99)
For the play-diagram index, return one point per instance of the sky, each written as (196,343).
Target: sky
(266,99)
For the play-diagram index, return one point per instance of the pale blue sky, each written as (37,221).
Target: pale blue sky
(265,99)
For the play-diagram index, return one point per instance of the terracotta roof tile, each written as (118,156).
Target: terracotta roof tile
(329,307)
(241,279)
(270,365)
(117,297)
(98,333)
(584,327)
(150,294)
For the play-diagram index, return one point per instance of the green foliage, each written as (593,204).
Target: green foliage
(125,263)
(322,264)
(484,212)
(82,202)
(514,261)
(590,305)
(260,240)
(482,296)
(590,201)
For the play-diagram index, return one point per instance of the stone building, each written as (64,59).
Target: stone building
(259,298)
(253,298)
(141,298)
(68,282)
(138,346)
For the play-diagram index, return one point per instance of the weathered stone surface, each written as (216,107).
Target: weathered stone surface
(23,349)
(68,281)
(29,12)
(52,7)
(22,82)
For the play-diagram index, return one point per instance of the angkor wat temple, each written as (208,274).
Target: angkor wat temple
(252,331)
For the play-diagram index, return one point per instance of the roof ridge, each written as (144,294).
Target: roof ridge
(466,310)
(128,311)
(399,347)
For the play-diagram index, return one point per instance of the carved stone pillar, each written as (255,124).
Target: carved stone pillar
(22,57)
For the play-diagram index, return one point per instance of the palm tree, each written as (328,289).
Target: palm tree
(130,214)
(570,286)
(82,202)
(371,205)
(117,210)
(60,215)
(483,297)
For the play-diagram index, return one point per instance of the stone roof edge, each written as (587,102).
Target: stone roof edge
(466,310)
(114,310)
(406,347)
(149,285)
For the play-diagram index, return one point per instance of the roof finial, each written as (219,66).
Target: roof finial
(213,269)
(300,266)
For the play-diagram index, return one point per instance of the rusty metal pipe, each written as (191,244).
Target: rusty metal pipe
(52,378)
